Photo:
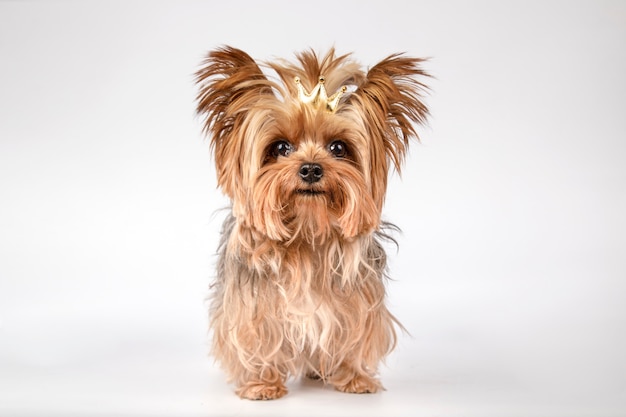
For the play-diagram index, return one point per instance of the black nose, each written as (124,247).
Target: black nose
(311,172)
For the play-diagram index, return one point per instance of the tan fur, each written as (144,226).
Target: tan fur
(300,280)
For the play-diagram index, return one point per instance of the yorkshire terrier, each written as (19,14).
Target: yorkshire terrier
(301,270)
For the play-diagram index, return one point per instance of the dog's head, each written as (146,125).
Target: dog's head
(306,155)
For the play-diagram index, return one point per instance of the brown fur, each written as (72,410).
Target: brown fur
(300,280)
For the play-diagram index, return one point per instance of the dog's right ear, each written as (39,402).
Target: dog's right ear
(230,82)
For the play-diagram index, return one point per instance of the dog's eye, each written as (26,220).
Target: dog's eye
(338,149)
(281,148)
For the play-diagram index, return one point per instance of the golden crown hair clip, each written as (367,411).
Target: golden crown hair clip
(318,96)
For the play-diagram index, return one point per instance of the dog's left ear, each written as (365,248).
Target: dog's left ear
(390,102)
(230,83)
(391,98)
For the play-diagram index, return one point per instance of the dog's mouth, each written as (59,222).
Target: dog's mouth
(309,192)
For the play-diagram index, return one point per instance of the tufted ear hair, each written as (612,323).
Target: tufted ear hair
(230,83)
(391,100)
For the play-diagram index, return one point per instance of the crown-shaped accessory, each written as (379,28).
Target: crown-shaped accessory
(318,97)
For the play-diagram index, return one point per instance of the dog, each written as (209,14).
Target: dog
(300,286)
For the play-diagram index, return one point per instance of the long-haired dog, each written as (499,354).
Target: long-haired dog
(301,271)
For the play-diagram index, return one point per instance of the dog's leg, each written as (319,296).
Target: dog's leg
(356,373)
(257,373)
(252,354)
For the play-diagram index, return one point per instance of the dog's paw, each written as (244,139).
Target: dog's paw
(260,391)
(360,384)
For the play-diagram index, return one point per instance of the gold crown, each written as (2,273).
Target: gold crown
(318,97)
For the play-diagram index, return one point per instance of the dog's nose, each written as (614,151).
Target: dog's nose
(311,172)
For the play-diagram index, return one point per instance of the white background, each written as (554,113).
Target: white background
(511,271)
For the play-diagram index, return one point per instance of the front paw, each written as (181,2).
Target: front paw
(261,391)
(360,384)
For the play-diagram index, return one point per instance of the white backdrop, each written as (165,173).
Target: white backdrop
(511,270)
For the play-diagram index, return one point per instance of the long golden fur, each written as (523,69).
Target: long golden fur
(300,280)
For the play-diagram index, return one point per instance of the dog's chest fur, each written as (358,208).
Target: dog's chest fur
(308,293)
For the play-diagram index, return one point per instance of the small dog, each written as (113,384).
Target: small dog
(300,278)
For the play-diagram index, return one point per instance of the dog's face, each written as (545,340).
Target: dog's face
(311,176)
(297,164)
